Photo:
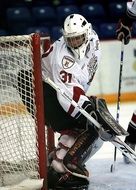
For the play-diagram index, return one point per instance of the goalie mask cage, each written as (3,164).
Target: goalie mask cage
(23,148)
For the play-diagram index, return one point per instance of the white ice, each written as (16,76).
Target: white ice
(124,175)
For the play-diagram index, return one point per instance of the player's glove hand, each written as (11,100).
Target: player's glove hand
(124,28)
(105,135)
(123,32)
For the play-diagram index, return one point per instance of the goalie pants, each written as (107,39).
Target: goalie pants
(55,116)
(76,148)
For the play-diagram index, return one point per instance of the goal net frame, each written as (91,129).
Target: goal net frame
(43,134)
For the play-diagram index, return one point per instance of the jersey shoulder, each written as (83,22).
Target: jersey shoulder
(59,43)
(94,42)
(94,36)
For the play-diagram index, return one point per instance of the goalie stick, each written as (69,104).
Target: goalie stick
(117,129)
(124,148)
(117,142)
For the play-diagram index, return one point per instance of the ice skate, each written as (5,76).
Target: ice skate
(64,181)
(126,159)
(76,169)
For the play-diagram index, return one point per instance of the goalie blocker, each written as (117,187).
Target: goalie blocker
(99,111)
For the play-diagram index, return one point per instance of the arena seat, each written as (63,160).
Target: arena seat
(40,15)
(44,14)
(68,2)
(117,9)
(18,18)
(56,32)
(108,30)
(134,29)
(37,29)
(63,11)
(93,10)
(18,14)
(3,32)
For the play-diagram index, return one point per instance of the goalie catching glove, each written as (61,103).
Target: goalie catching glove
(98,110)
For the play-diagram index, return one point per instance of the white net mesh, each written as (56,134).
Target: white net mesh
(18,130)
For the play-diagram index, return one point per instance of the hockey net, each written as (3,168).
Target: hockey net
(23,148)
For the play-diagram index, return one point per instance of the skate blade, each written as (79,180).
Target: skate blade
(127,160)
(85,187)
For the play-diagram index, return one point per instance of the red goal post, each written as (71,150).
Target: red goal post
(24,143)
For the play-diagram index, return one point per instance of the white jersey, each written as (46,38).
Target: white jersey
(131,8)
(72,76)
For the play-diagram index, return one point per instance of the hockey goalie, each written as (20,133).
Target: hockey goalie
(71,63)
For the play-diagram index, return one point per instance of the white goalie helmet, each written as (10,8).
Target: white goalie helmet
(77,33)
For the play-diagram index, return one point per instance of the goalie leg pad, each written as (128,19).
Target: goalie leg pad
(65,142)
(78,153)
